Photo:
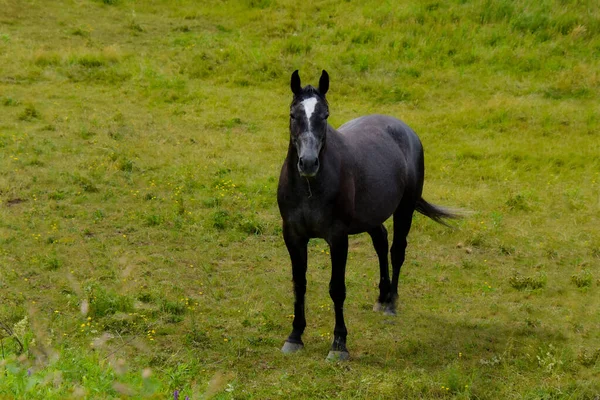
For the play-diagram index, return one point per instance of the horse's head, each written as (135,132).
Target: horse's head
(308,122)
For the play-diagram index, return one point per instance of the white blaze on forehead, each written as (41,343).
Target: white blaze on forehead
(309,107)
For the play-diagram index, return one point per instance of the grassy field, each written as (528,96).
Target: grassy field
(140,240)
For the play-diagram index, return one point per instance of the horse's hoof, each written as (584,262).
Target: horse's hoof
(338,356)
(289,347)
(378,307)
(389,310)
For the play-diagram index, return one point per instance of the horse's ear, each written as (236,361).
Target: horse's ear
(324,83)
(295,83)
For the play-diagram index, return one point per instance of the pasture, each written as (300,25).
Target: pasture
(140,240)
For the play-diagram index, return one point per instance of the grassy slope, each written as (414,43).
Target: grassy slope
(141,144)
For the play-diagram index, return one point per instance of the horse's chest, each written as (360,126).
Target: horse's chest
(312,218)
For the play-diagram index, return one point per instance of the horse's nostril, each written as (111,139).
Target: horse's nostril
(308,164)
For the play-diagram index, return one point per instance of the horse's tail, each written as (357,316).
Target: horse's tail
(436,213)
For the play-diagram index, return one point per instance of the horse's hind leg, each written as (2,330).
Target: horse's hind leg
(379,236)
(337,291)
(402,222)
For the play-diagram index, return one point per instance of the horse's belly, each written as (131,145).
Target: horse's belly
(374,208)
(379,187)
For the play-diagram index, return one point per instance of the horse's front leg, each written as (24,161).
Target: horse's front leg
(297,247)
(337,291)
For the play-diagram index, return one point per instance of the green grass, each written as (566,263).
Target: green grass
(140,240)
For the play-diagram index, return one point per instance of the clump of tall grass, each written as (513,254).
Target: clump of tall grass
(47,58)
(85,65)
(30,113)
(104,301)
(582,279)
(520,282)
(94,59)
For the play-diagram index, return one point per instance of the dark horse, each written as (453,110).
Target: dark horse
(336,183)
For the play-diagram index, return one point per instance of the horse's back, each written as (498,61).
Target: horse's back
(382,130)
(387,163)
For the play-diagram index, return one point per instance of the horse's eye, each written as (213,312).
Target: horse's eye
(292,116)
(326,116)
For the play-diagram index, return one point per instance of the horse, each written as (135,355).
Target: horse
(336,183)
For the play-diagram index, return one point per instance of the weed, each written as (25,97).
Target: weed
(395,95)
(197,338)
(520,282)
(22,333)
(496,11)
(363,37)
(479,239)
(220,219)
(261,4)
(588,358)
(173,307)
(359,62)
(10,102)
(296,46)
(252,226)
(52,263)
(86,184)
(153,219)
(46,59)
(89,60)
(126,165)
(583,279)
(136,27)
(103,302)
(507,250)
(30,113)
(146,297)
(557,93)
(518,202)
(86,134)
(211,202)
(548,360)
(98,215)
(83,31)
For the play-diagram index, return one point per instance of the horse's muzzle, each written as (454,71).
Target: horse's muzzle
(308,166)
